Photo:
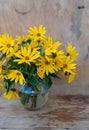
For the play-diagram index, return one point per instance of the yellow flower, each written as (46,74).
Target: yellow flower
(27,55)
(50,47)
(2,87)
(11,95)
(71,77)
(71,51)
(17,76)
(46,65)
(22,39)
(1,69)
(33,45)
(48,42)
(38,88)
(39,42)
(40,72)
(1,66)
(13,51)
(37,33)
(6,43)
(57,58)
(67,65)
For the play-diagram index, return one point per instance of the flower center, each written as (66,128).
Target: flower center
(8,45)
(54,55)
(38,35)
(18,73)
(26,58)
(65,66)
(46,62)
(38,41)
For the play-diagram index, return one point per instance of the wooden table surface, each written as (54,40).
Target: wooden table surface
(60,113)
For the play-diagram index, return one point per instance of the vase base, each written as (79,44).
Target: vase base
(35,102)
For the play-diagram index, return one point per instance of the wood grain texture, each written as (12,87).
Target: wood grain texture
(66,21)
(60,113)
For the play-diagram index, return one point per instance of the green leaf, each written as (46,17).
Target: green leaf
(48,81)
(11,62)
(24,72)
(34,80)
(55,76)
(67,54)
(29,41)
(33,69)
(24,98)
(8,84)
(2,56)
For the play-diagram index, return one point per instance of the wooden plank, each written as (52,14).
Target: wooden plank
(60,113)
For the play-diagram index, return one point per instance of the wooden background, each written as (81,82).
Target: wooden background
(65,20)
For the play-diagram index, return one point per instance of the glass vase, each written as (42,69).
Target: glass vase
(32,99)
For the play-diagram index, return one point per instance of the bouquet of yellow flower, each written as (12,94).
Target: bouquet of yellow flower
(33,59)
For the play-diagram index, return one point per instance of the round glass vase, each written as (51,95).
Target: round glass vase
(33,100)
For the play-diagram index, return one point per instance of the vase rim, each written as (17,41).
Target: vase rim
(30,90)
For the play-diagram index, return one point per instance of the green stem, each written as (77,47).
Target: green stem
(34,101)
(25,99)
